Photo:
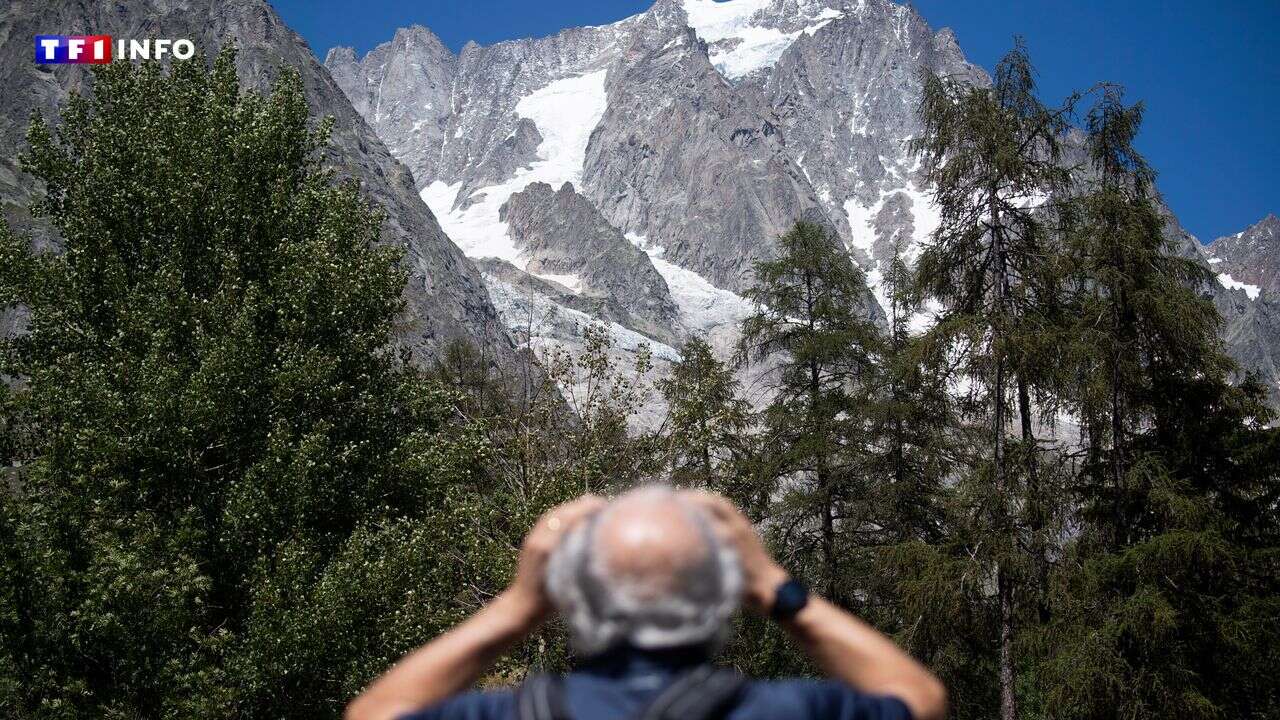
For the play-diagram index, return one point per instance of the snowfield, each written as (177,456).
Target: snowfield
(565,111)
(750,47)
(1231,283)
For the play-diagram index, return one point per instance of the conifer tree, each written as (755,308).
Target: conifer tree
(992,155)
(1167,585)
(912,428)
(812,316)
(1177,619)
(1138,311)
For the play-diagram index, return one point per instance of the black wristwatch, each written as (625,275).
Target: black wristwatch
(789,599)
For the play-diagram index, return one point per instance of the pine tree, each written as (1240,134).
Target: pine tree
(228,495)
(1168,584)
(1139,315)
(913,428)
(1179,618)
(993,156)
(706,434)
(812,320)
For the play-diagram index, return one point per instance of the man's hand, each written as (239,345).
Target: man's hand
(454,660)
(847,648)
(538,545)
(761,574)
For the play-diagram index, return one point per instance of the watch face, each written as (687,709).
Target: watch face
(791,598)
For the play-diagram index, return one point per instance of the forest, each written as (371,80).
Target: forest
(228,494)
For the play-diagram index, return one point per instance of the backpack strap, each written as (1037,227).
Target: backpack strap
(703,693)
(541,697)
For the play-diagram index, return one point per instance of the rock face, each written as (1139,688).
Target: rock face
(686,160)
(1250,259)
(705,128)
(446,297)
(1247,293)
(699,130)
(564,236)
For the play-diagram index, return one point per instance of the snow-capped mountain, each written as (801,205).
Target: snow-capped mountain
(1250,259)
(698,130)
(1247,267)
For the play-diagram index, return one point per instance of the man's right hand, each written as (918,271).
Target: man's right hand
(538,545)
(761,574)
(847,648)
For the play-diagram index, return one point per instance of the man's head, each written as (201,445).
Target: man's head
(647,570)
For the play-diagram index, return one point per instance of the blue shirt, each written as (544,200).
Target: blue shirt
(619,686)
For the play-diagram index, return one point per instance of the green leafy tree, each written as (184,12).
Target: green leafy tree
(707,433)
(229,497)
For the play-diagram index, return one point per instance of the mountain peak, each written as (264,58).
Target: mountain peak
(340,55)
(1250,258)
(419,35)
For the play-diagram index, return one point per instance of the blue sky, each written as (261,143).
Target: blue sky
(1209,72)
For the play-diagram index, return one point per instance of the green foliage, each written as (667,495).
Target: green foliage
(708,430)
(811,316)
(229,495)
(993,155)
(1163,598)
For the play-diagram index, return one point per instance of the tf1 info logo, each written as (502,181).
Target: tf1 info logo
(97,49)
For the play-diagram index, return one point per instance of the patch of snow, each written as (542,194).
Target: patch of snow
(565,111)
(1251,290)
(653,250)
(1034,199)
(863,234)
(1214,260)
(544,319)
(859,122)
(924,318)
(752,46)
(703,306)
(571,282)
(925,219)
(875,283)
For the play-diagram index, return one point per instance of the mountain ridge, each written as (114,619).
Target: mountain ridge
(705,129)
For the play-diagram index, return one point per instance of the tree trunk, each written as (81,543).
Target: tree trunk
(1008,703)
(1117,451)
(820,462)
(828,498)
(706,450)
(1035,503)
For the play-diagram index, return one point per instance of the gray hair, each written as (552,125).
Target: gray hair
(604,612)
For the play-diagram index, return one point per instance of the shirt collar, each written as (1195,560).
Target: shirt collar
(627,660)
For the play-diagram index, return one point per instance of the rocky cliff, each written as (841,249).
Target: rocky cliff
(446,297)
(700,130)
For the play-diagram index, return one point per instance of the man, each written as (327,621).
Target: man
(647,585)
